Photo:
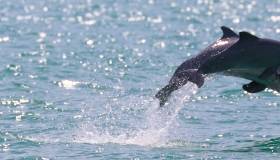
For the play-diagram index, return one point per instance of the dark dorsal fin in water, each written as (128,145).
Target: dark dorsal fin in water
(227,32)
(246,36)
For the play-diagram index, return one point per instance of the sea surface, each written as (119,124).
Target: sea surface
(78,79)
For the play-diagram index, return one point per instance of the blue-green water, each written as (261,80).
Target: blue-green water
(77,81)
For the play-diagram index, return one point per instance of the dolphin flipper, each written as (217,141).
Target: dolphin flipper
(254,87)
(178,80)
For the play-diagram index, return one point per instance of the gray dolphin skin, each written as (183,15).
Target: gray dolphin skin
(241,55)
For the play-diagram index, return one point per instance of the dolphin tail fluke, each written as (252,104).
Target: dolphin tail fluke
(178,80)
(164,94)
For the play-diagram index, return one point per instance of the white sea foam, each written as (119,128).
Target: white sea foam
(156,133)
(158,123)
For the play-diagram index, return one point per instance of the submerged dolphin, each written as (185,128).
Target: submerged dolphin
(243,55)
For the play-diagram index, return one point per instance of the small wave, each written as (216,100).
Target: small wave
(271,145)
(68,84)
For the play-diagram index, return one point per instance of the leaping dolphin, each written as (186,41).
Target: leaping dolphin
(244,55)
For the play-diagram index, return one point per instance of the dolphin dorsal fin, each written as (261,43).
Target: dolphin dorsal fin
(227,32)
(247,36)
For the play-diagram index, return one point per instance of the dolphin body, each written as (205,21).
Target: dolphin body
(241,55)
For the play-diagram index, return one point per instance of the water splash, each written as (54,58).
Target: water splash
(158,122)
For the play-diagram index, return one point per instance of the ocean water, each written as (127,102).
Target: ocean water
(78,79)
